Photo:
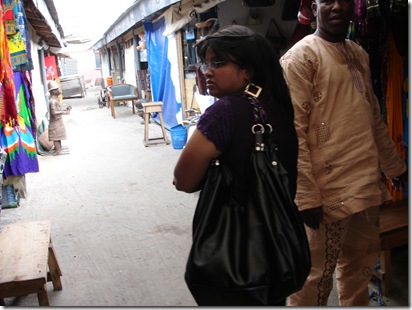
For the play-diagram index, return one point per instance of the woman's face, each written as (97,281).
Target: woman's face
(223,77)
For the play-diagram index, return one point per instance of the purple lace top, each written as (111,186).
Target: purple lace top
(217,123)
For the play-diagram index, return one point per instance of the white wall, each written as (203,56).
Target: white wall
(86,64)
(129,66)
(39,94)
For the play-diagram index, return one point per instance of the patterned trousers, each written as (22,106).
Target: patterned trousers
(349,247)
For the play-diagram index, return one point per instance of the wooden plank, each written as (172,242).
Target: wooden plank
(21,288)
(42,297)
(152,107)
(393,217)
(393,220)
(394,225)
(394,239)
(28,260)
(55,272)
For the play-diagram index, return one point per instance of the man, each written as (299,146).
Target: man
(343,147)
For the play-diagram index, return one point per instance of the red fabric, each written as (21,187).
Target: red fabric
(394,83)
(305,15)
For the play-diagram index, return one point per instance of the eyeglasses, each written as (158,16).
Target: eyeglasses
(212,65)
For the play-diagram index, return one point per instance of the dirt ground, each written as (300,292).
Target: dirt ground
(121,232)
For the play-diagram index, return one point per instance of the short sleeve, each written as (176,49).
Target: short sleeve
(217,123)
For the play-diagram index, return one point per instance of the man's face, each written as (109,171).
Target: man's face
(333,18)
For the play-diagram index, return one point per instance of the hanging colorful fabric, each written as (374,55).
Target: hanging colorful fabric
(9,17)
(8,110)
(17,49)
(394,84)
(23,28)
(18,140)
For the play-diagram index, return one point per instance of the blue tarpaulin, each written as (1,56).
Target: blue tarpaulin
(165,85)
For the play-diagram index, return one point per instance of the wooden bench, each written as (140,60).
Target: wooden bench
(26,255)
(393,233)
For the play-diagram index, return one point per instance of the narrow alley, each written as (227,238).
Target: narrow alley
(120,230)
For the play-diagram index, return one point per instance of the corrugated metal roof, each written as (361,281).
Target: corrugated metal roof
(140,11)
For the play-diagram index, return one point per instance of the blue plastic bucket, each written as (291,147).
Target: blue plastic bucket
(179,136)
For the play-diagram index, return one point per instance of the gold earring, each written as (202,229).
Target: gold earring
(253,90)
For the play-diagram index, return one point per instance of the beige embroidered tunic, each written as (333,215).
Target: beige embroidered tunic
(343,141)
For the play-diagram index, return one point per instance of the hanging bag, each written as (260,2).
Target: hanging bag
(275,36)
(249,253)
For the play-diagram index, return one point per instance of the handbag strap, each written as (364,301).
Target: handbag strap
(252,92)
(261,129)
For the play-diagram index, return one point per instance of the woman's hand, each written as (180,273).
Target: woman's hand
(312,217)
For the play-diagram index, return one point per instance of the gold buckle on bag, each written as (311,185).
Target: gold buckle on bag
(253,90)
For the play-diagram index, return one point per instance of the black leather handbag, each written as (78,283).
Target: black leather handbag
(250,253)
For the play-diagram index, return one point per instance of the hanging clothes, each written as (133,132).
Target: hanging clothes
(9,17)
(18,141)
(405,114)
(394,87)
(22,60)
(8,111)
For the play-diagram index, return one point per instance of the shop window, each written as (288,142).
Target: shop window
(191,34)
(189,52)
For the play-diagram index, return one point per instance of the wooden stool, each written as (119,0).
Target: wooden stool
(152,107)
(26,252)
(393,233)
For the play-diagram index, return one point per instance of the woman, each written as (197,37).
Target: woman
(232,58)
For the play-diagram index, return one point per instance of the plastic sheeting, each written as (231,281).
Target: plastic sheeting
(164,74)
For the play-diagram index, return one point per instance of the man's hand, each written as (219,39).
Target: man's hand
(399,182)
(312,217)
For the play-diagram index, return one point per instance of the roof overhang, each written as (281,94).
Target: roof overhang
(134,16)
(42,16)
(179,13)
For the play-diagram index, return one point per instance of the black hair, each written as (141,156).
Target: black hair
(253,52)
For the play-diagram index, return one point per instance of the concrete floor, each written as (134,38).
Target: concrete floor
(120,230)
